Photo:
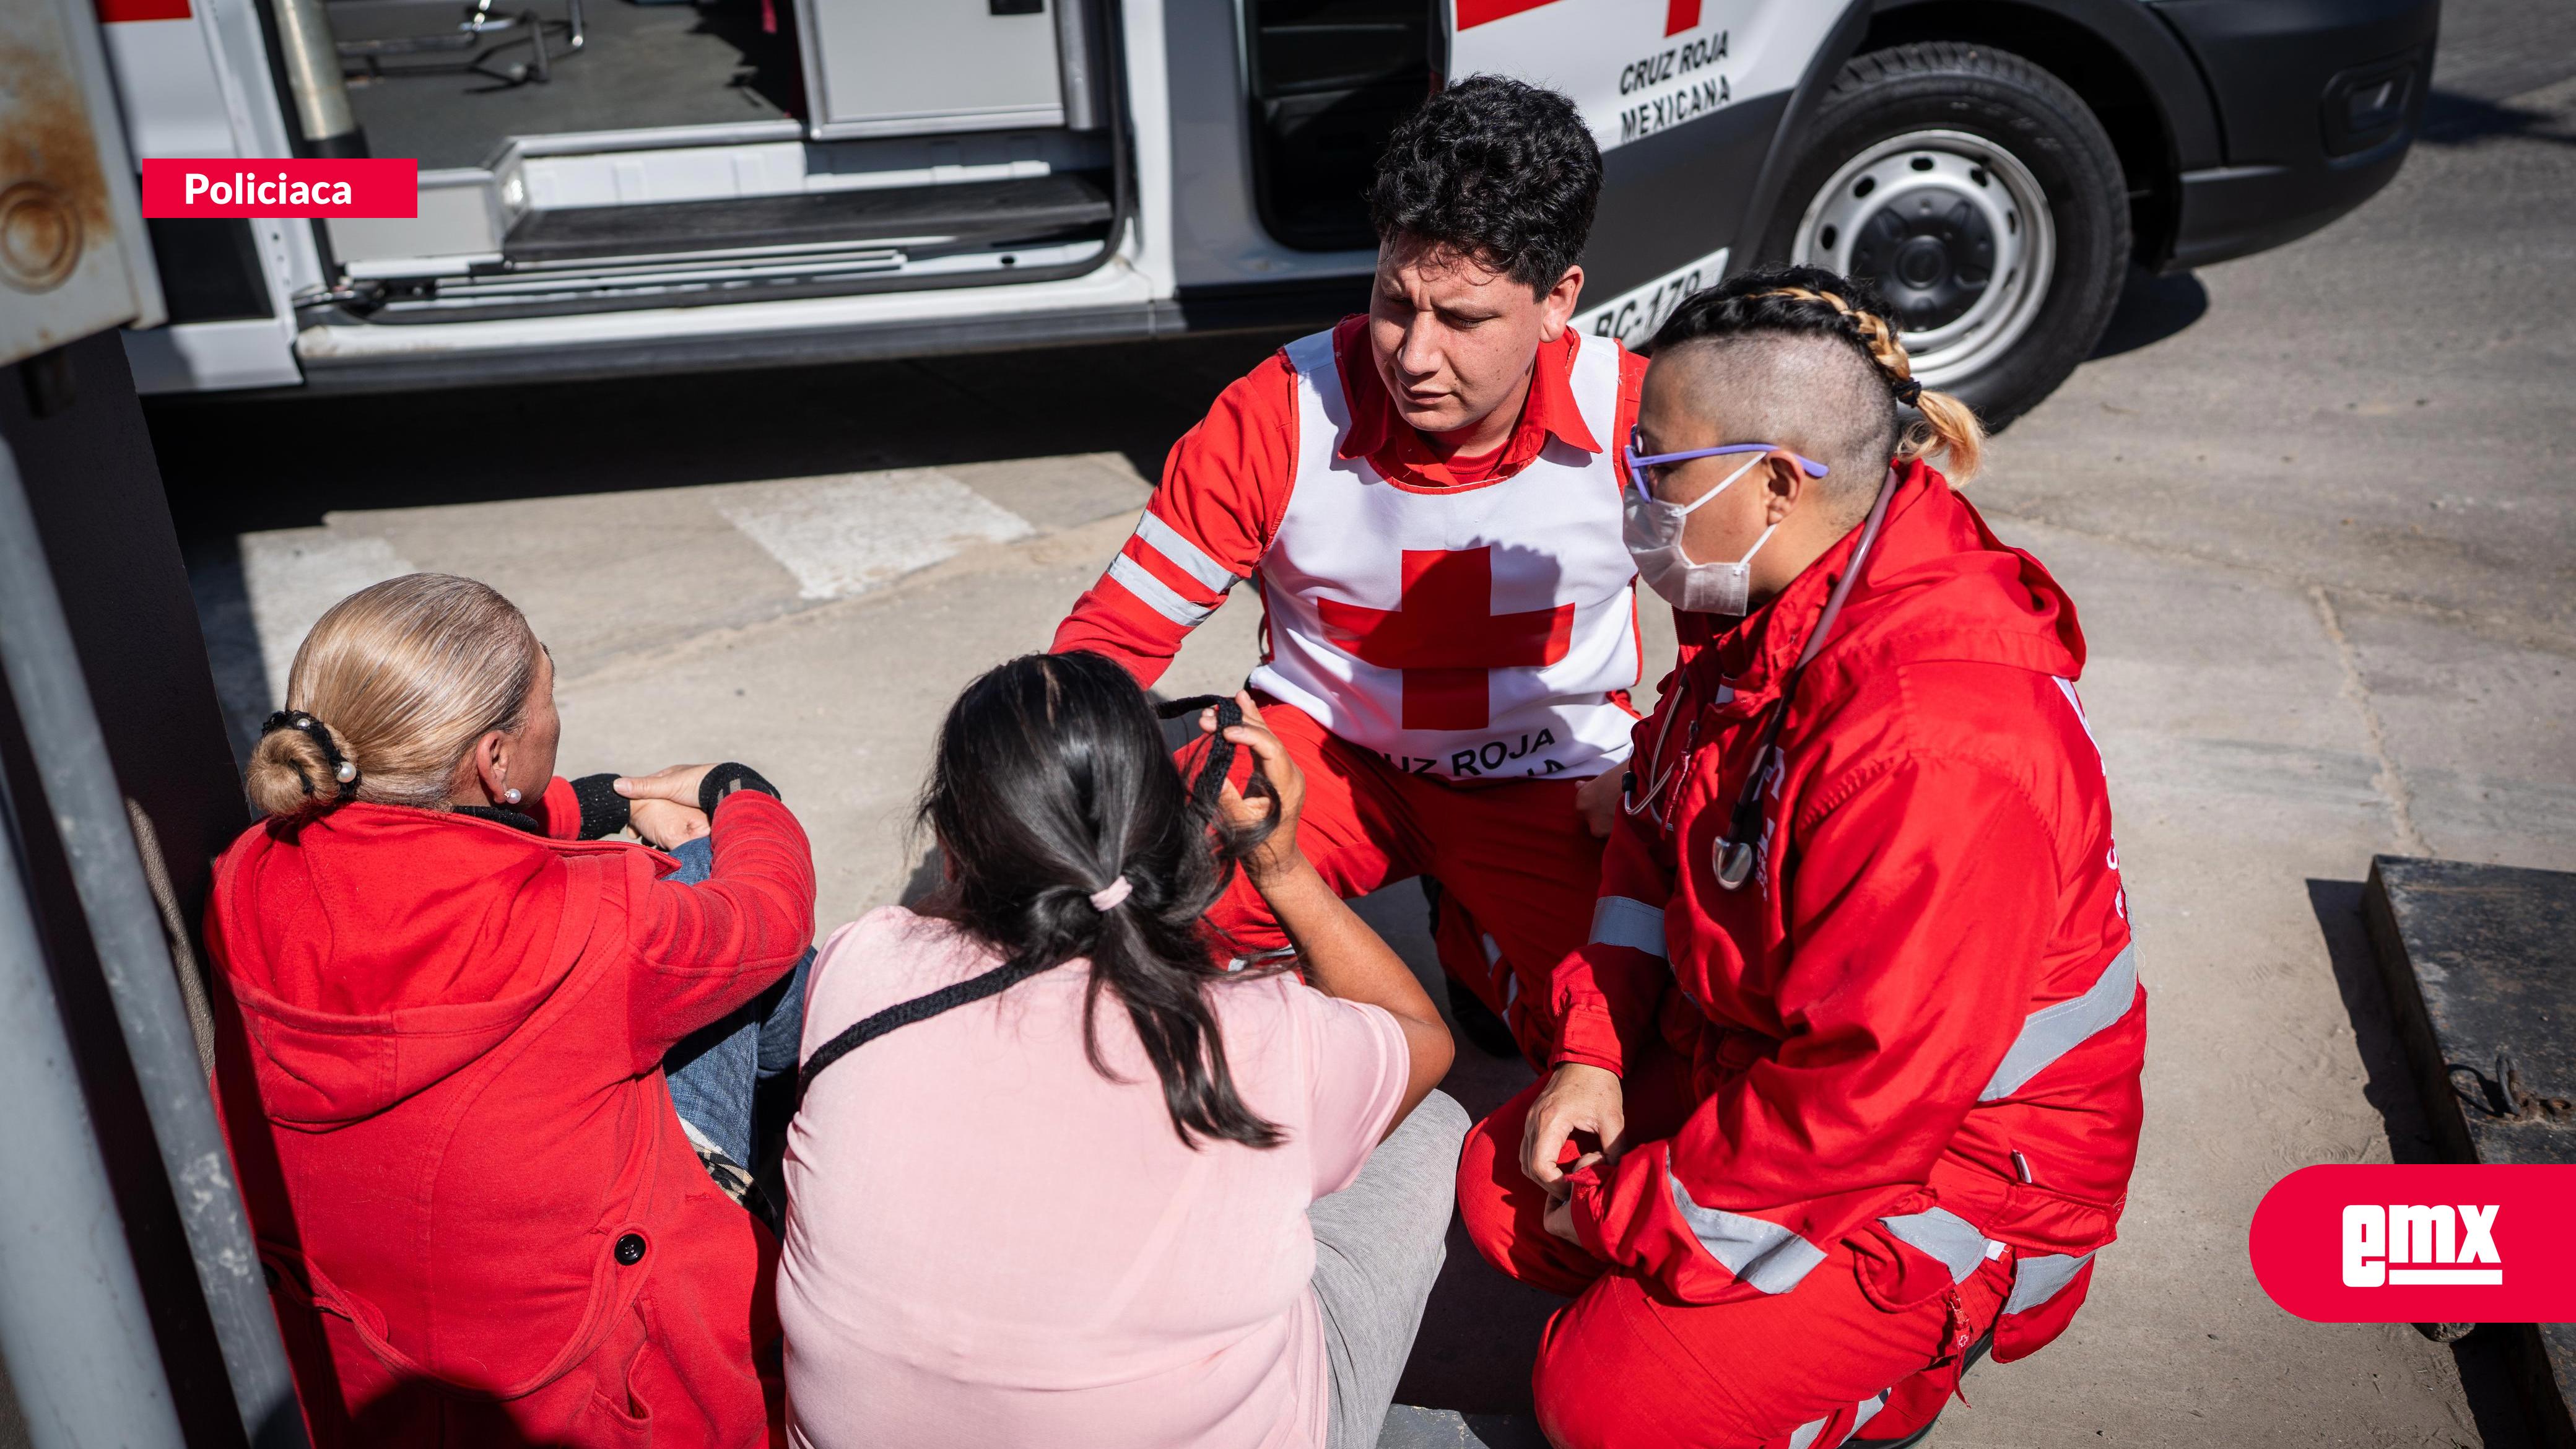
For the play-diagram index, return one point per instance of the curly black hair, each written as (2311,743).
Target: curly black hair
(1503,171)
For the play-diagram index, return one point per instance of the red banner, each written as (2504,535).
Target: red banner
(1472,13)
(370,188)
(121,12)
(2420,1244)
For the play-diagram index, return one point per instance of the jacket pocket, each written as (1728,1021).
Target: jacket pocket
(2047,1289)
(623,1418)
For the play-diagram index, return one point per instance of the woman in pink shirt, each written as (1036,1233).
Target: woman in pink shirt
(1058,1181)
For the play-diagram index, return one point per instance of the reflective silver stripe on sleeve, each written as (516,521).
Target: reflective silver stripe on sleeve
(1621,921)
(2043,1276)
(1186,556)
(1869,1408)
(1946,1236)
(1764,1254)
(1161,597)
(2053,1031)
(1804,1436)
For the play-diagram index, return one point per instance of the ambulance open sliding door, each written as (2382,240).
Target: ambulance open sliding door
(921,67)
(193,81)
(1684,97)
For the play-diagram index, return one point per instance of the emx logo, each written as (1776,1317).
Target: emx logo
(2420,1244)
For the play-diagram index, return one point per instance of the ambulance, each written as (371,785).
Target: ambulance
(612,187)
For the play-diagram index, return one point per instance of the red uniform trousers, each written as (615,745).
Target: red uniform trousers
(1624,1365)
(1518,868)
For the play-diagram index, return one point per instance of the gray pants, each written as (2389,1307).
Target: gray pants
(1378,1246)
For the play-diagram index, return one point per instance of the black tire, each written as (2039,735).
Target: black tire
(1884,101)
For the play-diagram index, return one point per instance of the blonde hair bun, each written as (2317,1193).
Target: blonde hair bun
(299,763)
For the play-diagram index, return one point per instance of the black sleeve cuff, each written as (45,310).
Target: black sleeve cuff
(603,810)
(726,778)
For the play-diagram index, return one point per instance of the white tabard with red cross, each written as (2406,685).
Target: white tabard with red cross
(1471,633)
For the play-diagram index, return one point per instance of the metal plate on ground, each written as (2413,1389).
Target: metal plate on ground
(2480,964)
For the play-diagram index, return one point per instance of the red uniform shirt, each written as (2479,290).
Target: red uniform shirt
(1227,482)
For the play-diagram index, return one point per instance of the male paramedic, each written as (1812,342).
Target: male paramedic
(1427,499)
(1846,1080)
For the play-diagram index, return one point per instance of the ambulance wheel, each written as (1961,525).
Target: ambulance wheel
(1983,198)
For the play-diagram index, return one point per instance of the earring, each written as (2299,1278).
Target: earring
(511,795)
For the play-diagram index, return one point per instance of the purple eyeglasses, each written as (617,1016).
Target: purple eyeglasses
(1639,462)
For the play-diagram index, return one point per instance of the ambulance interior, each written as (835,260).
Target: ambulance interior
(452,82)
(587,155)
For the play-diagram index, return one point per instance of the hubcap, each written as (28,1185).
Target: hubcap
(1957,235)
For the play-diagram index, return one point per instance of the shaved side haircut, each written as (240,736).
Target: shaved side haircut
(1807,360)
(1809,394)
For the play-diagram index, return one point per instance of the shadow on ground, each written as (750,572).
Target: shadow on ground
(2151,309)
(2483,1358)
(2453,119)
(229,469)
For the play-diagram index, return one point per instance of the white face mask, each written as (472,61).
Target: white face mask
(1653,531)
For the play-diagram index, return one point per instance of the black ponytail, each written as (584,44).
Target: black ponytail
(1051,784)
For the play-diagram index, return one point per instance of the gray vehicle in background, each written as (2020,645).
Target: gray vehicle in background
(611,187)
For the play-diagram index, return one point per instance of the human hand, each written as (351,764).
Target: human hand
(1597,801)
(677,784)
(664,825)
(1577,1098)
(1276,857)
(1559,1218)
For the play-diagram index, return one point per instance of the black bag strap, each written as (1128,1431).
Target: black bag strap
(921,1008)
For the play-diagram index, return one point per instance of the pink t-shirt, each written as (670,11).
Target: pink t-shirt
(990,1243)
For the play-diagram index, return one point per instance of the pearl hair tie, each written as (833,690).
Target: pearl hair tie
(1107,898)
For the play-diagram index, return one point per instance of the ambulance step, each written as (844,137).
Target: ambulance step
(918,221)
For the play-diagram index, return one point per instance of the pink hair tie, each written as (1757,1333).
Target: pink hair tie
(1106,899)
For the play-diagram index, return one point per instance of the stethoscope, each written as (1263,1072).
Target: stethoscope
(1732,855)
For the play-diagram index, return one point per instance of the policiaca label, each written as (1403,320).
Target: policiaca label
(367,186)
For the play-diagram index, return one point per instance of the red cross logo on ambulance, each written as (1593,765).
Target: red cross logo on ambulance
(2419,1243)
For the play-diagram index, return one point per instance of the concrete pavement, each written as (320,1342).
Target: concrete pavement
(2312,505)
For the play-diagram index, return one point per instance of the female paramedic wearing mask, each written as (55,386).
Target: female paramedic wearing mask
(1847,1090)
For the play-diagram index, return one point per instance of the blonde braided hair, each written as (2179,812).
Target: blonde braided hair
(1944,422)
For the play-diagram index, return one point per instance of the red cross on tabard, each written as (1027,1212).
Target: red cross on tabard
(1444,634)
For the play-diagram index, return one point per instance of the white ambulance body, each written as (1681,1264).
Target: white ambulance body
(611,187)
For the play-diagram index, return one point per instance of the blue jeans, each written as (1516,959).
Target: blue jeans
(715,1069)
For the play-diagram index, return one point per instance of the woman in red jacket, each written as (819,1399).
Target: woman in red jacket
(481,1218)
(1846,1091)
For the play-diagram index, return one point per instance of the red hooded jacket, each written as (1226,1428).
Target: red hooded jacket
(1916,1030)
(481,1219)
